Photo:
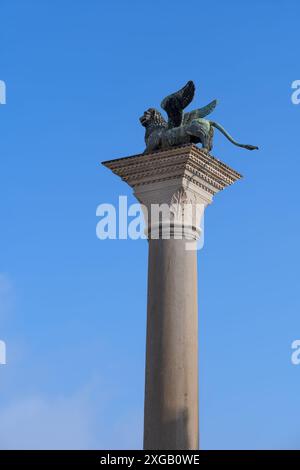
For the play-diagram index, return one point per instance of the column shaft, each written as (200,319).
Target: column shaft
(171,388)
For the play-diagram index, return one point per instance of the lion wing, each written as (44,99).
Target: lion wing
(199,113)
(175,103)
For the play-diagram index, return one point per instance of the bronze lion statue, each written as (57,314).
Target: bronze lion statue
(182,128)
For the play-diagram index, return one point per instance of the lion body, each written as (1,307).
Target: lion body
(159,136)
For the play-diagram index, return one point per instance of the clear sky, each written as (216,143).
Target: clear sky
(73,308)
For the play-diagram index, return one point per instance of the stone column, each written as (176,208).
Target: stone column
(171,391)
(174,187)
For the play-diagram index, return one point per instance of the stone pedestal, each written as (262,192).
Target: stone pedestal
(174,187)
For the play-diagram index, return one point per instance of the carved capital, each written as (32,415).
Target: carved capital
(183,180)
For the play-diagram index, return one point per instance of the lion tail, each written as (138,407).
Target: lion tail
(231,139)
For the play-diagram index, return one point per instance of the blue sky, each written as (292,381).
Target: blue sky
(72,307)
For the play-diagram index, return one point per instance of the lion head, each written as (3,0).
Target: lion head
(152,117)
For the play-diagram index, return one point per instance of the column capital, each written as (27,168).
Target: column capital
(186,166)
(175,177)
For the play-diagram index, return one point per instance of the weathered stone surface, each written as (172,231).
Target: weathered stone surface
(186,165)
